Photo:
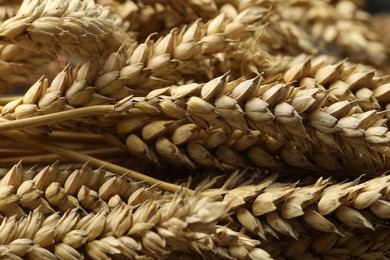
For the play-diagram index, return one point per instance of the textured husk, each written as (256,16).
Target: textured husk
(238,107)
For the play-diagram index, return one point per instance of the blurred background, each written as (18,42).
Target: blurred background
(377,6)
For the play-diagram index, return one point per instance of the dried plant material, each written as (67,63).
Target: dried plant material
(317,245)
(76,27)
(270,207)
(333,24)
(153,228)
(250,109)
(265,111)
(142,67)
(233,108)
(9,9)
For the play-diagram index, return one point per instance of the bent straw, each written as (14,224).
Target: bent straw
(55,117)
(43,143)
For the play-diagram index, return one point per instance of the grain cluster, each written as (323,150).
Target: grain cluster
(196,129)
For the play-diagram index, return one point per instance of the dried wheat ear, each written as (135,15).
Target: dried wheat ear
(321,118)
(96,213)
(199,129)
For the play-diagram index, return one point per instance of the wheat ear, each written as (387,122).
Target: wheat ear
(273,208)
(79,27)
(153,228)
(83,158)
(329,24)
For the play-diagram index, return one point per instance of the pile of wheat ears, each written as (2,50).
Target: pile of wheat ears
(194,129)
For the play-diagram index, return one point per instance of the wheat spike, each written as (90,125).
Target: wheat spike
(171,223)
(141,68)
(195,8)
(240,108)
(48,27)
(326,23)
(324,206)
(19,65)
(242,111)
(50,189)
(320,18)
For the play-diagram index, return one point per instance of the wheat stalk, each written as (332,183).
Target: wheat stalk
(83,158)
(13,156)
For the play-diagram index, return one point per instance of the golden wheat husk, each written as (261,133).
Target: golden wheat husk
(79,27)
(362,245)
(200,87)
(266,207)
(269,208)
(248,115)
(295,204)
(250,120)
(49,187)
(152,228)
(138,69)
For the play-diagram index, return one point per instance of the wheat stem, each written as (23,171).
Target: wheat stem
(42,143)
(34,158)
(41,120)
(76,136)
(5,100)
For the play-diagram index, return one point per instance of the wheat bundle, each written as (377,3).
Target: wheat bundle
(214,129)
